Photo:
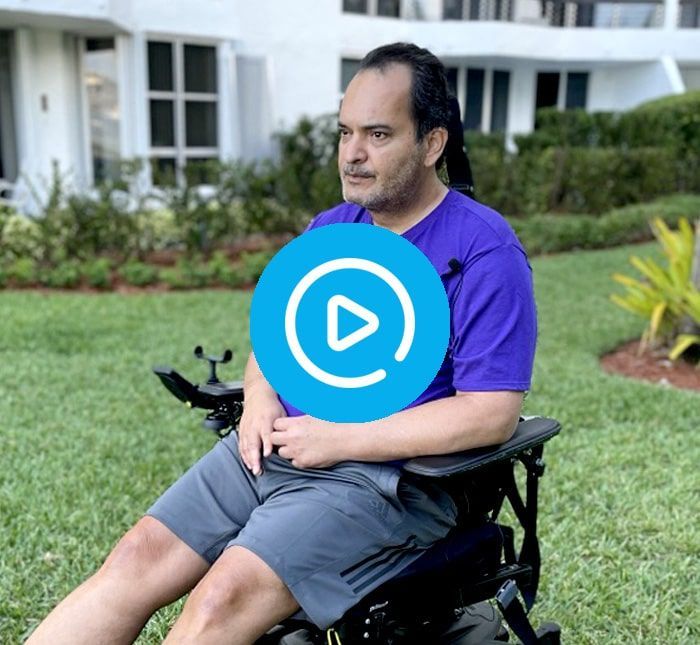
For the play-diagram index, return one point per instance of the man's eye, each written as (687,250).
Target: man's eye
(379,135)
(343,133)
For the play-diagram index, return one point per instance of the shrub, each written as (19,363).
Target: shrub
(577,180)
(557,233)
(20,236)
(494,141)
(157,230)
(97,273)
(224,271)
(666,295)
(65,275)
(669,122)
(597,179)
(201,220)
(83,225)
(22,272)
(491,177)
(188,274)
(253,264)
(571,128)
(173,277)
(307,174)
(138,274)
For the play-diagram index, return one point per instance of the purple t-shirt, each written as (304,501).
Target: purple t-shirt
(493,324)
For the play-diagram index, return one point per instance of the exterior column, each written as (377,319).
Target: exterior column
(671,11)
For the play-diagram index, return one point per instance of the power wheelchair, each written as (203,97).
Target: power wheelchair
(446,596)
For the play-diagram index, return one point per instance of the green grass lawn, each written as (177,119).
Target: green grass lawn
(89,437)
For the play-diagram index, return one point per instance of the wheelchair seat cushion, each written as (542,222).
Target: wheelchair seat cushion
(464,551)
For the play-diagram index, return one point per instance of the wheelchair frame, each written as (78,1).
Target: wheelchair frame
(489,471)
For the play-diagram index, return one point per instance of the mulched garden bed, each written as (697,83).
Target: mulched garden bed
(651,365)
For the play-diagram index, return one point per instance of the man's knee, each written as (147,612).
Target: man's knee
(239,581)
(140,549)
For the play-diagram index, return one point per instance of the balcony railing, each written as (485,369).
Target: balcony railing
(578,13)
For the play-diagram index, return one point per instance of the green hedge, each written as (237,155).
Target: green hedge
(557,233)
(581,162)
(672,121)
(580,180)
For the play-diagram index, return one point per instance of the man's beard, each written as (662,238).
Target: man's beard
(397,192)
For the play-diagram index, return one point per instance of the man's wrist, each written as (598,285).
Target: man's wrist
(259,391)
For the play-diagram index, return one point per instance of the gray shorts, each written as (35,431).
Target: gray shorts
(332,535)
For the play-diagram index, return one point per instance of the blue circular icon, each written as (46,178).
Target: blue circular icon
(349,322)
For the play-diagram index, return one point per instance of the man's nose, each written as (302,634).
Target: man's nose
(354,150)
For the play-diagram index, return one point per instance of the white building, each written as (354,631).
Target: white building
(87,82)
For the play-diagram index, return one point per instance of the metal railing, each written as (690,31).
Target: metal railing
(578,13)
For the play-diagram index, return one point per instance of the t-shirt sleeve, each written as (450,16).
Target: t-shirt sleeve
(494,323)
(312,224)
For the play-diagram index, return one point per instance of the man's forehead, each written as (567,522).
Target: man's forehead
(378,93)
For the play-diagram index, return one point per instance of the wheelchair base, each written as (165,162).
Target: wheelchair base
(478,624)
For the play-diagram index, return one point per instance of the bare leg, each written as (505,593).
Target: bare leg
(149,568)
(235,603)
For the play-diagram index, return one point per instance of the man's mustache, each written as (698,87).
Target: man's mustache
(356,171)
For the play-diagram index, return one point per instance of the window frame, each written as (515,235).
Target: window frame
(373,10)
(180,151)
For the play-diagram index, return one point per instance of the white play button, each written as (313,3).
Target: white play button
(371,323)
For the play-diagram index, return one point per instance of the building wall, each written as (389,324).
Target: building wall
(622,87)
(280,61)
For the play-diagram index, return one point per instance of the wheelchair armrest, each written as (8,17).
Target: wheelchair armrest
(531,432)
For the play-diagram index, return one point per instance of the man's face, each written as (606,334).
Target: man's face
(379,161)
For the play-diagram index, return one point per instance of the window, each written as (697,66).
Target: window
(102,92)
(452,9)
(576,90)
(584,14)
(451,75)
(475,99)
(484,97)
(348,69)
(565,90)
(689,13)
(183,105)
(547,92)
(355,6)
(499,100)
(388,8)
(8,151)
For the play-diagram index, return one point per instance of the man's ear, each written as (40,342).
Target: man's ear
(435,141)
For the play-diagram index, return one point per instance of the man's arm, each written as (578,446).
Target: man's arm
(254,383)
(466,420)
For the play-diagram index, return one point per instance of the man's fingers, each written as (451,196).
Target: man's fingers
(250,453)
(282,423)
(278,438)
(267,445)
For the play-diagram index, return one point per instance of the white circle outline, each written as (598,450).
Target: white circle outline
(302,287)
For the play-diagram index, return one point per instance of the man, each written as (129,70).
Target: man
(298,512)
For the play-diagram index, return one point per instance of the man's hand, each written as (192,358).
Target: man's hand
(309,442)
(255,430)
